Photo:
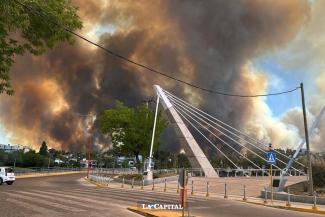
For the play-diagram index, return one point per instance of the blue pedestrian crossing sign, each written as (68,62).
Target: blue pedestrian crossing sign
(271,157)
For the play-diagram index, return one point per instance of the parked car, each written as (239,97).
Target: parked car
(7,175)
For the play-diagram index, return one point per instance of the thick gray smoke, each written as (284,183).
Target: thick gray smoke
(209,43)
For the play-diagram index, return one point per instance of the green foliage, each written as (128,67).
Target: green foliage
(166,160)
(183,161)
(33,159)
(22,31)
(2,157)
(319,176)
(43,149)
(131,129)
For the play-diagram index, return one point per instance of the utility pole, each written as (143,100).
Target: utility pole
(310,173)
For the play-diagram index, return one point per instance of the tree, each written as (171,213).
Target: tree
(319,175)
(34,28)
(43,149)
(131,129)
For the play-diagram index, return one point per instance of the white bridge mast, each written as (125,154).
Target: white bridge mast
(193,151)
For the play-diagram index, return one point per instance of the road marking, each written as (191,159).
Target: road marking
(86,198)
(135,197)
(37,209)
(66,201)
(47,203)
(146,193)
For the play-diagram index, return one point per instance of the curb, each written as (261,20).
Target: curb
(154,213)
(299,209)
(46,174)
(94,183)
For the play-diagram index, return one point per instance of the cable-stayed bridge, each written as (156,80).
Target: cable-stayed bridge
(219,134)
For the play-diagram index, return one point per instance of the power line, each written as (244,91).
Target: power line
(127,60)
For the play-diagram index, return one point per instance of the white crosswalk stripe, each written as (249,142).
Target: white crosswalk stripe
(140,196)
(147,194)
(45,202)
(59,203)
(87,199)
(96,201)
(35,208)
(60,199)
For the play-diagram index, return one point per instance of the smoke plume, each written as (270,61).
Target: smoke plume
(209,43)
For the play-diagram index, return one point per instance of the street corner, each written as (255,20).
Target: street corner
(155,213)
(90,182)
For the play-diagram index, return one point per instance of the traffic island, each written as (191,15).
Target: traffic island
(98,185)
(156,213)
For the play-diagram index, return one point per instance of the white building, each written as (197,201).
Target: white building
(84,163)
(58,161)
(12,148)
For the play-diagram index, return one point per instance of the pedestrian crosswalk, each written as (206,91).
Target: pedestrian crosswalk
(82,201)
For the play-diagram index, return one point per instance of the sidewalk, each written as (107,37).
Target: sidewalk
(302,207)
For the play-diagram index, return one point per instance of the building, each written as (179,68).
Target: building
(11,148)
(84,163)
(58,161)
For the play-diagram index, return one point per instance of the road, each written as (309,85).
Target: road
(70,195)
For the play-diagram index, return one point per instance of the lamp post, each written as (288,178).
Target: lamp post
(149,169)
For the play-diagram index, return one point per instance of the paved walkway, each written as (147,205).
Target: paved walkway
(234,191)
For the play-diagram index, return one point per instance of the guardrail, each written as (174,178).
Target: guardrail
(197,172)
(228,172)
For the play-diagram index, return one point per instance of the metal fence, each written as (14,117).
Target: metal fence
(197,172)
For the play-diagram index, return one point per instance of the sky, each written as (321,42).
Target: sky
(259,57)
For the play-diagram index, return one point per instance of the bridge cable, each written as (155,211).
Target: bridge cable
(236,130)
(202,126)
(233,134)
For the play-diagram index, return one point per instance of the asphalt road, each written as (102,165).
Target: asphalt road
(70,195)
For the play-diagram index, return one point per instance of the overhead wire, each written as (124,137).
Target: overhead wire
(42,14)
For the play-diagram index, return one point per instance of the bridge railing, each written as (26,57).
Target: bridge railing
(228,172)
(198,172)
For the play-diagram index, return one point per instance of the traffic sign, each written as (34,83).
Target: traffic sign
(183,178)
(271,157)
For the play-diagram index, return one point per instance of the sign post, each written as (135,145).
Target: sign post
(182,180)
(271,159)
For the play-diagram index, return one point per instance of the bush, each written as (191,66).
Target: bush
(319,176)
(136,177)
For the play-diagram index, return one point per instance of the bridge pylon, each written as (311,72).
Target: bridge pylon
(193,151)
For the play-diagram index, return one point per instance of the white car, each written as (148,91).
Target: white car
(7,175)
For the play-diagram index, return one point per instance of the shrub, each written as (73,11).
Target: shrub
(319,176)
